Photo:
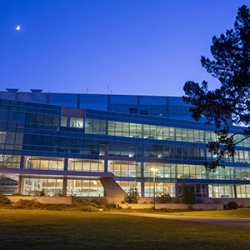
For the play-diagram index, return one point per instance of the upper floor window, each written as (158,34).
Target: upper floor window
(74,122)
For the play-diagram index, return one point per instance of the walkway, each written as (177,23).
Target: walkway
(240,222)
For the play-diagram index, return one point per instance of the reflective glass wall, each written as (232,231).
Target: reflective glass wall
(85,188)
(49,186)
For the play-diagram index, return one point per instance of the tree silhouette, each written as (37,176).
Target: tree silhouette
(230,104)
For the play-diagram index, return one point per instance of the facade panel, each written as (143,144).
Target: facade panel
(72,144)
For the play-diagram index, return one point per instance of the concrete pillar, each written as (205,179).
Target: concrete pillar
(142,183)
(22,163)
(207,191)
(176,190)
(235,191)
(64,189)
(66,164)
(68,121)
(20,185)
(142,189)
(106,159)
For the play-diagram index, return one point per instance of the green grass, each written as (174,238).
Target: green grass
(39,229)
(239,213)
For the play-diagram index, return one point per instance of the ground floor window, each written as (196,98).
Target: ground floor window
(85,188)
(42,186)
(221,191)
(126,185)
(54,187)
(160,189)
(243,191)
(200,190)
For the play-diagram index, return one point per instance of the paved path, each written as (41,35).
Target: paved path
(240,222)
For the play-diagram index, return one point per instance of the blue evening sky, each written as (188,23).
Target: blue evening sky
(140,47)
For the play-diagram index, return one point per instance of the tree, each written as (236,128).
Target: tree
(230,104)
(186,191)
(132,196)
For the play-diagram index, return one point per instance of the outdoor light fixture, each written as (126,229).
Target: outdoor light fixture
(154,170)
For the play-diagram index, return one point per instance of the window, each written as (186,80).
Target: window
(133,110)
(76,122)
(64,121)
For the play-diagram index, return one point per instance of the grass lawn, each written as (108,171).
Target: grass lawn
(237,213)
(39,229)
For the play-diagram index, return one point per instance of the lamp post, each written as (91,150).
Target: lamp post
(154,170)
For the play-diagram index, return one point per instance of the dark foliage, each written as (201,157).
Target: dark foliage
(132,196)
(27,204)
(229,104)
(186,192)
(165,198)
(231,205)
(4,199)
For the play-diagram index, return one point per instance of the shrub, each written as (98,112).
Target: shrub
(102,207)
(89,208)
(57,207)
(27,204)
(165,198)
(187,193)
(59,193)
(76,200)
(231,205)
(89,203)
(132,196)
(42,192)
(111,206)
(4,199)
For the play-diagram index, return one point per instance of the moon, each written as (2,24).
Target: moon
(18,27)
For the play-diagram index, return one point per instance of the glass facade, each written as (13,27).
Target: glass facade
(90,145)
(33,186)
(86,188)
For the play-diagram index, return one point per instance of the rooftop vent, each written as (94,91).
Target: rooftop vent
(36,90)
(12,90)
